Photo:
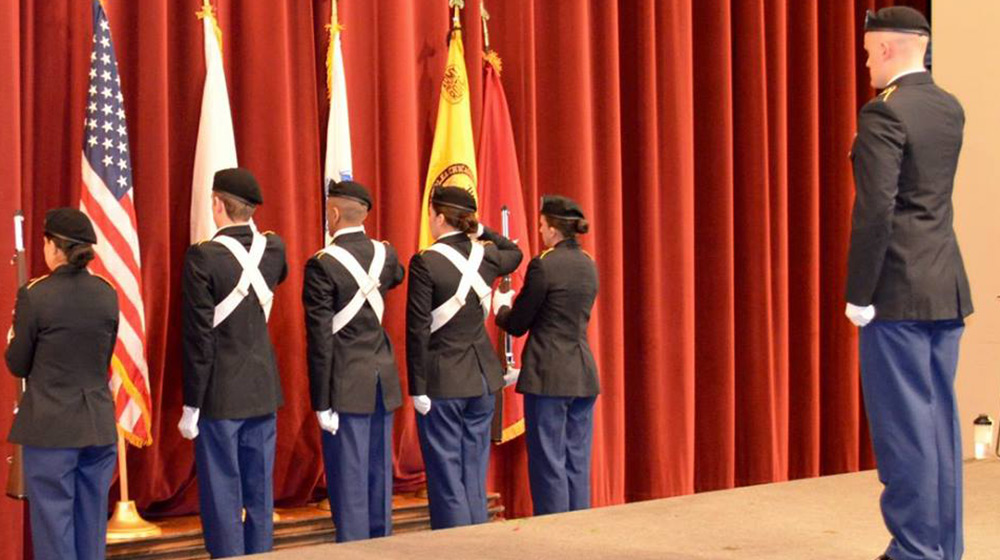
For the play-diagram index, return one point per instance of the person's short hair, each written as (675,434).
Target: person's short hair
(352,211)
(238,210)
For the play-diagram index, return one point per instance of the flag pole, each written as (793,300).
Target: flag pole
(485,16)
(126,523)
(456,20)
(455,7)
(506,347)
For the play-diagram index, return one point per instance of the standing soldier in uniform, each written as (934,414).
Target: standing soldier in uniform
(907,288)
(63,337)
(558,374)
(353,379)
(231,385)
(452,366)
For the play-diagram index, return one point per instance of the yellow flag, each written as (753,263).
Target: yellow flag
(453,157)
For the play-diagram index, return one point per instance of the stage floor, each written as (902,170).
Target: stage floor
(834,517)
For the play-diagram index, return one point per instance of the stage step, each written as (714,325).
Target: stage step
(304,526)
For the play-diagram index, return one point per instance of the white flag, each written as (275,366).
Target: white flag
(337,165)
(216,148)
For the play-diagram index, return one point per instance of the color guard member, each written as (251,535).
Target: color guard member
(558,374)
(232,390)
(353,379)
(62,340)
(453,367)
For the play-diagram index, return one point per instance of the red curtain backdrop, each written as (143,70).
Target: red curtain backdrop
(707,141)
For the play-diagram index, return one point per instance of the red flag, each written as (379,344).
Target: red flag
(500,185)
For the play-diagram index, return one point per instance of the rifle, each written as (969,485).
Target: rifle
(15,476)
(506,347)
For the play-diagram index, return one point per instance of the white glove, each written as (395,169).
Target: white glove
(502,299)
(328,420)
(510,378)
(422,403)
(189,422)
(858,315)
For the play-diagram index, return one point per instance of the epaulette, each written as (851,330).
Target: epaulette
(386,243)
(34,281)
(268,232)
(884,96)
(318,254)
(106,281)
(487,242)
(588,254)
(545,252)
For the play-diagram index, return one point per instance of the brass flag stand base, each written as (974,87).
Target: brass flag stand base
(324,505)
(126,523)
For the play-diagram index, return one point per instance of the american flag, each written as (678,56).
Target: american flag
(106,196)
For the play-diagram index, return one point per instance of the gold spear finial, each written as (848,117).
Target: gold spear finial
(208,11)
(486,30)
(456,23)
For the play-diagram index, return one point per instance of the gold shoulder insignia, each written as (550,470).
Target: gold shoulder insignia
(588,254)
(485,243)
(884,96)
(386,243)
(545,252)
(319,254)
(268,232)
(34,281)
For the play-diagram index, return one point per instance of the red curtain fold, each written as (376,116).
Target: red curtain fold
(714,227)
(705,139)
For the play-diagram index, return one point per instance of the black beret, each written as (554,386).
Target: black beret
(561,207)
(350,190)
(454,197)
(70,224)
(240,183)
(901,19)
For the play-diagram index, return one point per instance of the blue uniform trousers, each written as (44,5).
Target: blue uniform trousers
(358,462)
(235,460)
(559,432)
(908,377)
(455,442)
(68,500)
